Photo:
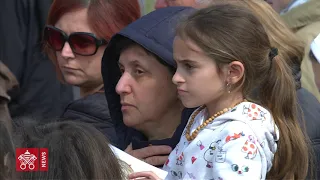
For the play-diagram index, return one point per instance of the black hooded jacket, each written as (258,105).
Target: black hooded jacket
(155,32)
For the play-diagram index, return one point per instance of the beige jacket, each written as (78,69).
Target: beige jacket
(7,83)
(305,21)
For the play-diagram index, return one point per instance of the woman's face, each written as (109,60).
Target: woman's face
(145,88)
(78,70)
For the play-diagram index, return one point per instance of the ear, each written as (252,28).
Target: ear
(235,72)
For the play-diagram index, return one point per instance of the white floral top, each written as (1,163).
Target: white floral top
(239,144)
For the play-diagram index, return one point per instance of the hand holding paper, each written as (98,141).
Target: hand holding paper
(155,155)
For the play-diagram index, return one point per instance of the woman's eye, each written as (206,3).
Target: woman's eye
(121,70)
(139,72)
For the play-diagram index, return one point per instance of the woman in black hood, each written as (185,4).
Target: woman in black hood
(137,68)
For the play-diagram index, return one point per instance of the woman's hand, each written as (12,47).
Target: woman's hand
(151,154)
(144,175)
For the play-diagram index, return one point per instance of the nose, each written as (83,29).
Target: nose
(66,51)
(177,78)
(160,4)
(123,86)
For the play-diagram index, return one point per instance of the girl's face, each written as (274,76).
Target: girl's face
(198,79)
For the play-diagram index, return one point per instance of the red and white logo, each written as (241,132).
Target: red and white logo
(43,159)
(28,159)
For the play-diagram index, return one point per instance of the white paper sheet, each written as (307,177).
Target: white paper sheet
(136,164)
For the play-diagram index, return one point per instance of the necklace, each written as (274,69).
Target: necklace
(206,122)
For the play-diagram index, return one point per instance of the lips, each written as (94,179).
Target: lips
(181,91)
(69,68)
(126,106)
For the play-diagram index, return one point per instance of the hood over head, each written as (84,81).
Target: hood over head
(155,32)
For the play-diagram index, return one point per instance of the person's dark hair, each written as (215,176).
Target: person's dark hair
(125,43)
(228,33)
(7,155)
(75,150)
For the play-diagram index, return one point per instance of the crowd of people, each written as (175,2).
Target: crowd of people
(203,89)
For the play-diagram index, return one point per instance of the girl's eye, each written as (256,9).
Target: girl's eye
(188,66)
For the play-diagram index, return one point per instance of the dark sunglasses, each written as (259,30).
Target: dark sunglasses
(82,43)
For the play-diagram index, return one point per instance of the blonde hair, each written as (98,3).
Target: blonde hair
(249,42)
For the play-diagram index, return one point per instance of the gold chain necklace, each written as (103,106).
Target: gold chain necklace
(206,122)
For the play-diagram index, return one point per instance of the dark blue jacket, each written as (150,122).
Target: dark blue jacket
(155,32)
(92,109)
(310,111)
(310,108)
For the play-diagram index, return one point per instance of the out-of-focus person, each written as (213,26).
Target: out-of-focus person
(75,151)
(303,17)
(7,83)
(41,95)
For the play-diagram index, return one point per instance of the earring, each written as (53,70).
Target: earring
(228,88)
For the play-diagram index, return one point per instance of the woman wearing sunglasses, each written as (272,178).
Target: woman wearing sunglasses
(76,36)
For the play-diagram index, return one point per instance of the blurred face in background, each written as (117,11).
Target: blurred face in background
(278,5)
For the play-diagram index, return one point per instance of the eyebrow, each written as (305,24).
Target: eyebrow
(185,60)
(133,62)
